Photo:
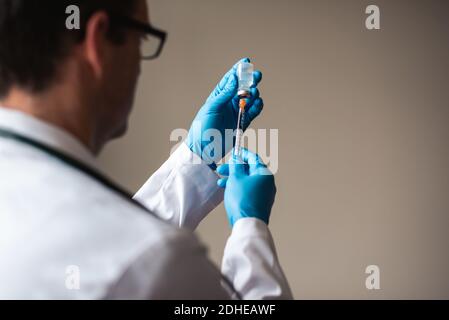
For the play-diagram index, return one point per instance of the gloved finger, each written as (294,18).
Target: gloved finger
(226,94)
(257,78)
(263,171)
(221,85)
(222,182)
(237,166)
(255,94)
(253,112)
(253,160)
(223,170)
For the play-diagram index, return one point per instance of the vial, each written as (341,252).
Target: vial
(245,74)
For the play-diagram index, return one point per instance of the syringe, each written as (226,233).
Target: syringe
(245,74)
(239,134)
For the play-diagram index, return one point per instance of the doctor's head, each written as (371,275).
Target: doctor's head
(81,79)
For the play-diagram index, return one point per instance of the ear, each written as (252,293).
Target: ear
(96,44)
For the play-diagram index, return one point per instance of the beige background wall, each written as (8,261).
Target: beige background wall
(363,132)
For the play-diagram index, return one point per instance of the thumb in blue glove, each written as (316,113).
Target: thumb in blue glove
(250,188)
(207,137)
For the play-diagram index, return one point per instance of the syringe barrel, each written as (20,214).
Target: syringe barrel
(239,133)
(238,143)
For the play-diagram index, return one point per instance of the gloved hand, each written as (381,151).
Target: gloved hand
(250,188)
(220,112)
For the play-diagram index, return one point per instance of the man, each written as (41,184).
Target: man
(63,95)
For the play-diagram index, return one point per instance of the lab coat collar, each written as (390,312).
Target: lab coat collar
(46,133)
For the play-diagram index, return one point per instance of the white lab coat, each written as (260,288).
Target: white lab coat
(65,236)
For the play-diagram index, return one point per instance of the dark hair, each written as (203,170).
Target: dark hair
(34,38)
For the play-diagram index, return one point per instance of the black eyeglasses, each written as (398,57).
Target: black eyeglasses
(154,40)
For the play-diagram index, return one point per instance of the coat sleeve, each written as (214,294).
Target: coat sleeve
(251,263)
(183,191)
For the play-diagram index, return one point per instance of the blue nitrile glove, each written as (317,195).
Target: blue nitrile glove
(250,188)
(220,112)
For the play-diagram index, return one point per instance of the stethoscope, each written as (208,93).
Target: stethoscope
(81,167)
